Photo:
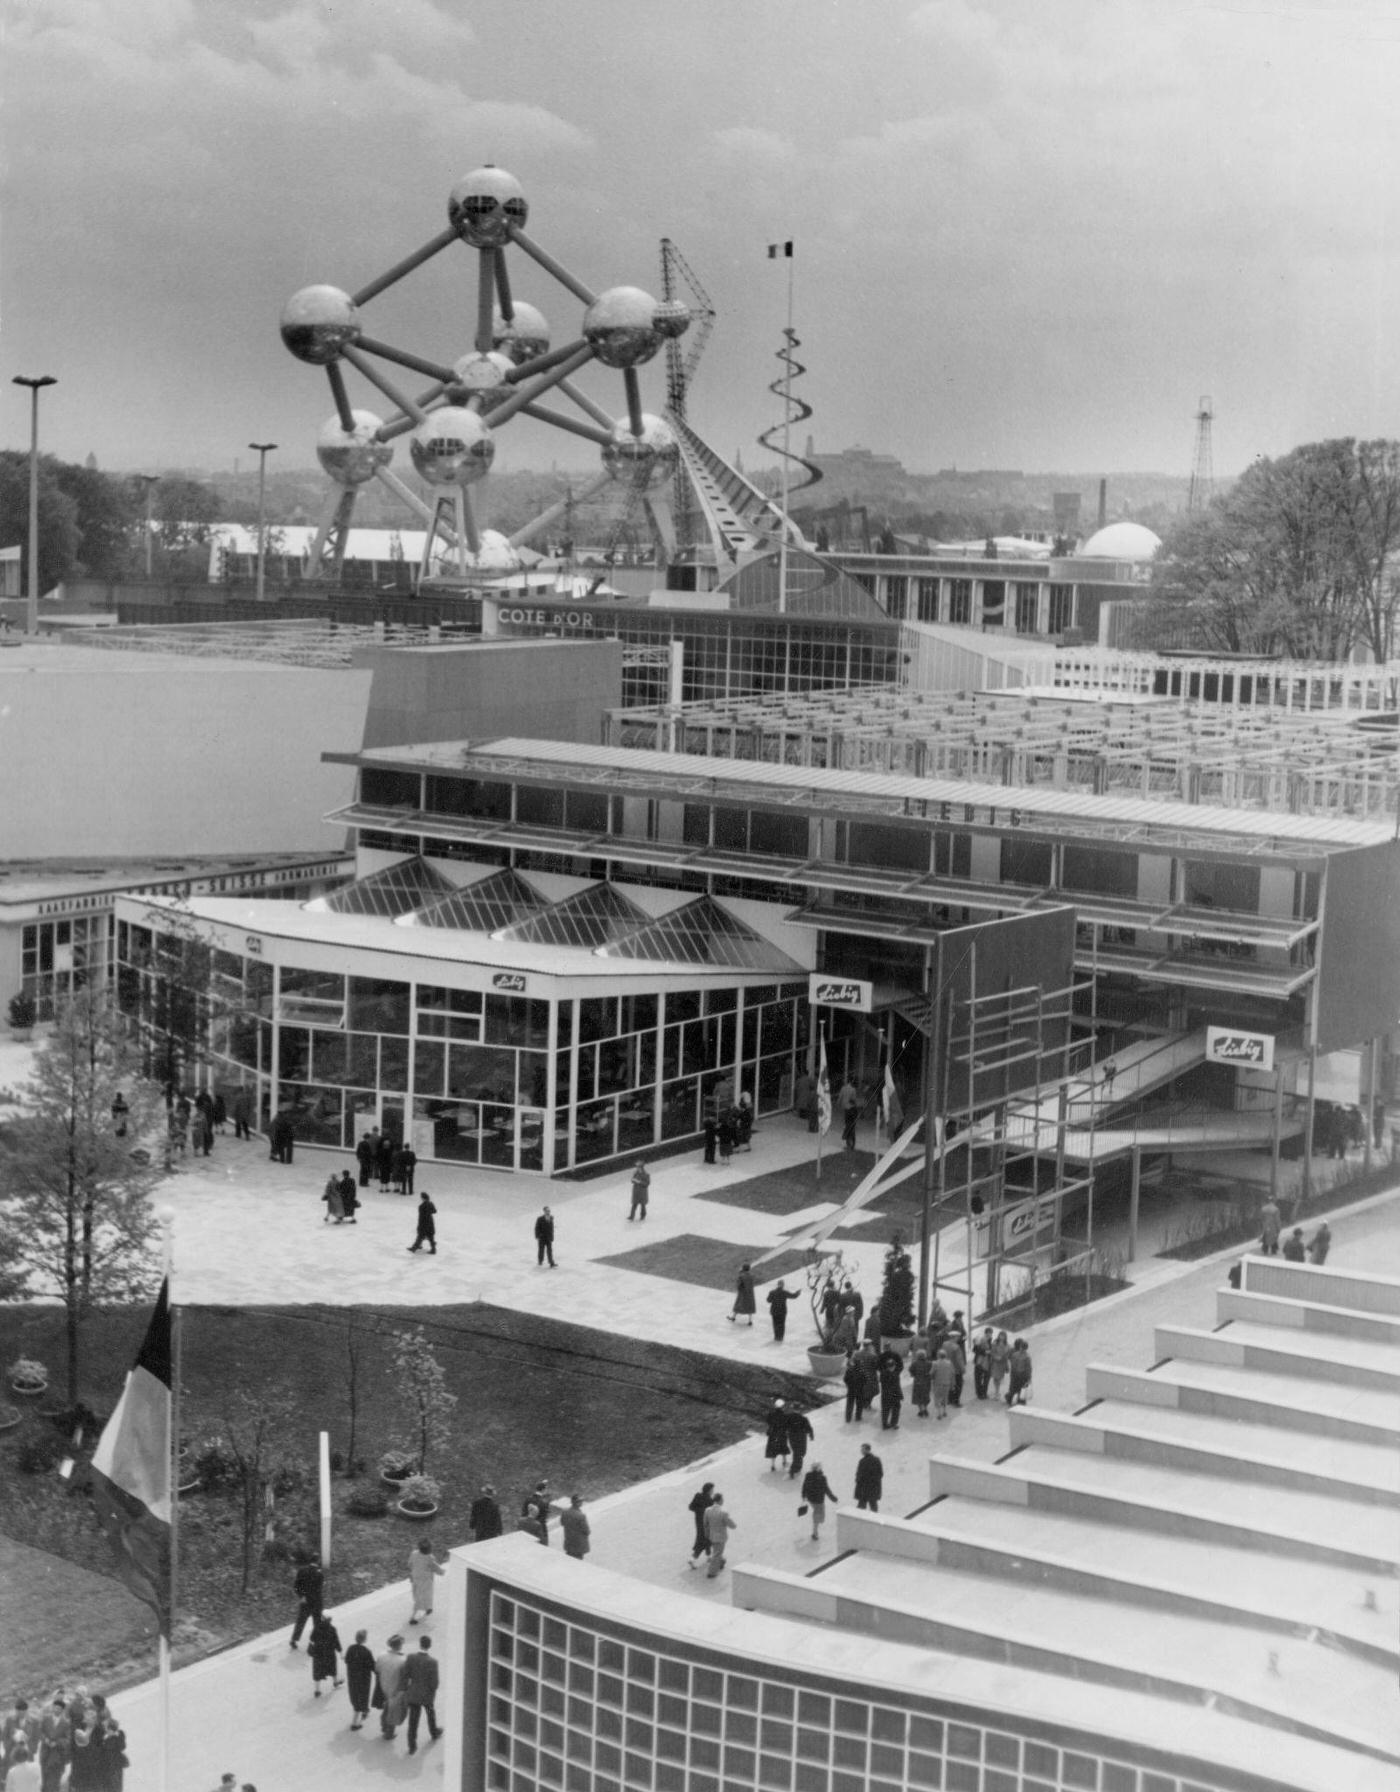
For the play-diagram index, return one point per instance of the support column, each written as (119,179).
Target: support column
(1133,1204)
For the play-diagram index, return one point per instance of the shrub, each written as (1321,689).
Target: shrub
(368,1502)
(214,1461)
(22,1011)
(40,1453)
(419,1491)
(397,1465)
(28,1371)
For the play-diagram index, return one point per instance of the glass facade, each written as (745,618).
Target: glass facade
(59,957)
(573,1702)
(502,1080)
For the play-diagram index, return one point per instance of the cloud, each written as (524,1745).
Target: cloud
(751,143)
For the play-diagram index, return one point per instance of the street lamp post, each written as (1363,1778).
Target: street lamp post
(262,450)
(31,615)
(150,481)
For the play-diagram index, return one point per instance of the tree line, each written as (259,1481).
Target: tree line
(1294,560)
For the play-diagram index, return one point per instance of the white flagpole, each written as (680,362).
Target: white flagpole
(787,432)
(821,1078)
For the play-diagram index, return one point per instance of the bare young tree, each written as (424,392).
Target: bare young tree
(258,1433)
(76,1195)
(425,1405)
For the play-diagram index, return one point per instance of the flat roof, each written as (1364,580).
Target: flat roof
(33,880)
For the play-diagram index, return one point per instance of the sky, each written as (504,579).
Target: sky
(1028,233)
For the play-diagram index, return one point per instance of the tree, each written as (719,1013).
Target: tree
(896,1304)
(257,1430)
(424,1403)
(1293,560)
(59,536)
(76,1206)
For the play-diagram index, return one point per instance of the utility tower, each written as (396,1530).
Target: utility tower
(1202,472)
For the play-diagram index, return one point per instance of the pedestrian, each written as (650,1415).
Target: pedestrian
(22,1771)
(869,1365)
(711,1137)
(942,1382)
(388,1671)
(854,1379)
(242,1113)
(536,1509)
(891,1372)
(349,1197)
(323,1646)
(1293,1247)
(778,1299)
(573,1523)
(1236,1275)
(743,1118)
(844,1337)
(727,1134)
(699,1505)
(744,1305)
(427,1229)
(718,1525)
(1321,1243)
(406,1167)
(920,1382)
(111,1754)
(121,1113)
(218,1113)
(367,1155)
(55,1738)
(641,1186)
(420,1691)
(485,1515)
(1270,1224)
(384,1162)
(957,1356)
(423,1569)
(544,1240)
(816,1491)
(799,1435)
(848,1102)
(870,1480)
(777,1442)
(1110,1071)
(359,1679)
(981,1362)
(852,1301)
(1018,1387)
(335,1206)
(309,1585)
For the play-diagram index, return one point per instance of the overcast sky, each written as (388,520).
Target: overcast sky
(1030,233)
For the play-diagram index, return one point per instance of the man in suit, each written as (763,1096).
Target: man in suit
(420,1688)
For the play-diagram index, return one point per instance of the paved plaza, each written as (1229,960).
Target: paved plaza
(250,1231)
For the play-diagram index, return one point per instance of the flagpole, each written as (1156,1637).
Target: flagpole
(787,432)
(167,1219)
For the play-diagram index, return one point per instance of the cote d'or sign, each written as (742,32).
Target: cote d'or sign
(1227,1045)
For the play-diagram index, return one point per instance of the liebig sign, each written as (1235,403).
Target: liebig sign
(840,992)
(513,981)
(1227,1045)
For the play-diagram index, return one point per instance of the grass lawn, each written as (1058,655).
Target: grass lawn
(536,1397)
(792,1189)
(704,1262)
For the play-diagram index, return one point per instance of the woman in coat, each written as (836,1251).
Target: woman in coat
(1000,1355)
(359,1678)
(324,1651)
(816,1491)
(744,1304)
(777,1444)
(423,1570)
(920,1382)
(1018,1388)
(698,1507)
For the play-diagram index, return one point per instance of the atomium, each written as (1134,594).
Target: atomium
(507,369)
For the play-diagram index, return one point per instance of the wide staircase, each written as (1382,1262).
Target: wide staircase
(1219,1531)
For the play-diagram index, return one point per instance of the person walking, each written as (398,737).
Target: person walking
(1110,1071)
(388,1671)
(544,1240)
(799,1435)
(920,1382)
(891,1373)
(848,1101)
(641,1188)
(323,1647)
(1000,1362)
(943,1377)
(1270,1225)
(573,1523)
(870,1480)
(420,1691)
(242,1112)
(957,1356)
(536,1509)
(427,1228)
(728,1132)
(1018,1387)
(408,1167)
(869,1366)
(816,1491)
(349,1197)
(423,1569)
(55,1736)
(778,1299)
(743,1121)
(309,1585)
(335,1206)
(485,1515)
(844,1336)
(777,1442)
(367,1155)
(359,1679)
(744,1304)
(718,1525)
(854,1378)
(384,1162)
(711,1137)
(699,1505)
(981,1362)
(1321,1243)
(1293,1247)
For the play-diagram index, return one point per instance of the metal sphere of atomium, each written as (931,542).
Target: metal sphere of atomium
(524,336)
(620,326)
(484,205)
(480,376)
(352,456)
(319,323)
(452,447)
(671,318)
(645,460)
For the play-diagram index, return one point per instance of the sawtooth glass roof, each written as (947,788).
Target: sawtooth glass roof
(487,907)
(397,890)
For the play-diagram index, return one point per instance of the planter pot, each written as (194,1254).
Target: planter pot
(407,1511)
(827,1365)
(30,1390)
(10,1416)
(393,1481)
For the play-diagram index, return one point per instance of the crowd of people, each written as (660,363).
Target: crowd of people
(74,1732)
